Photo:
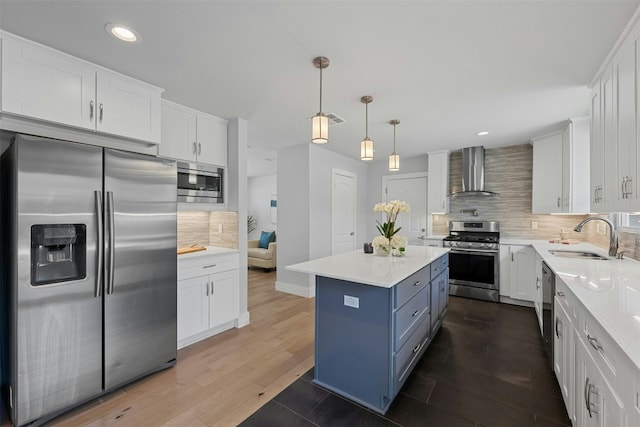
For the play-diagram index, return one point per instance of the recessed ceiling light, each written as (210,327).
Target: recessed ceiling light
(482,133)
(123,33)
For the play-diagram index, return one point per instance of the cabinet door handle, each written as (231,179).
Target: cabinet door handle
(416,348)
(594,343)
(101,111)
(207,287)
(629,188)
(90,110)
(199,148)
(557,333)
(558,203)
(417,283)
(211,292)
(560,294)
(415,313)
(511,256)
(195,150)
(537,283)
(587,392)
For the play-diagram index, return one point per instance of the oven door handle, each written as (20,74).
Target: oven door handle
(475,251)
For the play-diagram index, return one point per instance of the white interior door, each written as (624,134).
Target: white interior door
(412,188)
(343,212)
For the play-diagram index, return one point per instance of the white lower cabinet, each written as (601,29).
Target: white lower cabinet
(600,385)
(563,354)
(517,272)
(596,402)
(537,302)
(208,296)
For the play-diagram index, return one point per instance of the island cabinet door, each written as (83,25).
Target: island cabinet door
(353,340)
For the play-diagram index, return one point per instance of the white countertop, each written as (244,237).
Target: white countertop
(210,250)
(609,290)
(371,269)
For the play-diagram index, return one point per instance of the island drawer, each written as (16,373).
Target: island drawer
(410,286)
(407,356)
(408,318)
(439,265)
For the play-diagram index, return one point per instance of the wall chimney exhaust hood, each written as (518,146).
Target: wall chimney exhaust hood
(473,174)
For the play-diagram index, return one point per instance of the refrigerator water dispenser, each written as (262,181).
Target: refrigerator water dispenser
(58,253)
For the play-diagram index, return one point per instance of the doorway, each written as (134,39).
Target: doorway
(343,211)
(412,188)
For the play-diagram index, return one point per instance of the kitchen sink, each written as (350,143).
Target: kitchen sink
(578,254)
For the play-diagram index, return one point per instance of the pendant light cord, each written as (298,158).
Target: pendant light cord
(320,89)
(366,120)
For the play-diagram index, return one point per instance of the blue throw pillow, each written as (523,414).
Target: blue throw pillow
(266,237)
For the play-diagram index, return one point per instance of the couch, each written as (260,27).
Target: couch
(259,257)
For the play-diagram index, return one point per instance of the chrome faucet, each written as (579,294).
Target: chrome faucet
(613,239)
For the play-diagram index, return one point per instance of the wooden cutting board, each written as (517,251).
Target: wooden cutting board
(190,249)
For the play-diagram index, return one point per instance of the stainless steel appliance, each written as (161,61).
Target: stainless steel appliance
(199,183)
(474,261)
(89,272)
(548,312)
(473,174)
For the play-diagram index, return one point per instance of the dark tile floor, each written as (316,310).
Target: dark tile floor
(485,367)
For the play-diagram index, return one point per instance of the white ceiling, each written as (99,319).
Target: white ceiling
(446,69)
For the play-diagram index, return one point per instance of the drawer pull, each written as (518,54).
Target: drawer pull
(415,313)
(209,266)
(417,348)
(417,283)
(594,342)
(437,268)
(560,293)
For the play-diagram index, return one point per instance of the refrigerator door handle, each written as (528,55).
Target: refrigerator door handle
(100,251)
(112,233)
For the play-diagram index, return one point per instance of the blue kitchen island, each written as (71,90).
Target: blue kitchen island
(375,317)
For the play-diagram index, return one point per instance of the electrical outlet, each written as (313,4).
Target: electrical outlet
(350,301)
(534,225)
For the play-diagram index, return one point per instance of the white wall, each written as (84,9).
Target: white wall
(260,189)
(293,217)
(320,169)
(374,185)
(237,201)
(304,209)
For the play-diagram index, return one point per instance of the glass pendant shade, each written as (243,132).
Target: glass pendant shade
(366,149)
(320,129)
(394,162)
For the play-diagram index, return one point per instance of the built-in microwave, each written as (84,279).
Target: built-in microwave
(199,183)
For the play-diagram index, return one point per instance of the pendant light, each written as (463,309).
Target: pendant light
(394,158)
(366,146)
(320,122)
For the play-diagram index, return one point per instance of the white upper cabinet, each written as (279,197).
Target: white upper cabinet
(561,170)
(596,151)
(128,108)
(193,136)
(547,174)
(44,84)
(438,182)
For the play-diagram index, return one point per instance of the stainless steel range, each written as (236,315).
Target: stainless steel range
(474,260)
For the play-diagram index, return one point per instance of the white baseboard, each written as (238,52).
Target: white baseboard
(513,301)
(300,290)
(243,319)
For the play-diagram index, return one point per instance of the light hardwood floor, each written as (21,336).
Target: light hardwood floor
(224,379)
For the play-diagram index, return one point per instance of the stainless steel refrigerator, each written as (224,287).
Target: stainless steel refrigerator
(89,272)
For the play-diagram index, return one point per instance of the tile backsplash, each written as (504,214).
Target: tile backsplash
(208,228)
(508,172)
